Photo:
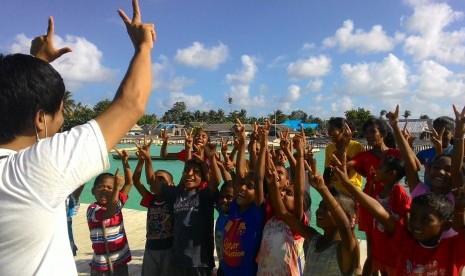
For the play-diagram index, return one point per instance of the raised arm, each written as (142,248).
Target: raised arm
(112,205)
(252,147)
(259,172)
(411,172)
(457,155)
(295,224)
(42,46)
(137,174)
(299,177)
(285,145)
(366,201)
(134,91)
(127,172)
(215,174)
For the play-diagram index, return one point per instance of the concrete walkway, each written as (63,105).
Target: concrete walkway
(134,223)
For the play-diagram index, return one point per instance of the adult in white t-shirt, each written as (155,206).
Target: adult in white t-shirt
(39,167)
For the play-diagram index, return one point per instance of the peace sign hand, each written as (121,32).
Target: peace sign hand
(142,34)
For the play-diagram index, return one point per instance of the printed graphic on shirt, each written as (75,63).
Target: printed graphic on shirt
(159,224)
(187,205)
(430,268)
(233,251)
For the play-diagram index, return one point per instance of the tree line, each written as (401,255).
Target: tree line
(77,114)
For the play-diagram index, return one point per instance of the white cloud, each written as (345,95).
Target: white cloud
(193,102)
(436,81)
(241,96)
(313,67)
(362,42)
(345,103)
(314,85)
(293,93)
(246,75)
(318,98)
(83,64)
(200,57)
(376,80)
(430,39)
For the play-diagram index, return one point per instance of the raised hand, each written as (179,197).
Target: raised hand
(118,180)
(299,144)
(42,46)
(210,150)
(240,130)
(141,34)
(393,116)
(436,138)
(284,142)
(459,123)
(124,155)
(408,137)
(145,148)
(224,148)
(188,140)
(164,135)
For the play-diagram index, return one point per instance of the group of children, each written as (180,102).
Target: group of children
(262,226)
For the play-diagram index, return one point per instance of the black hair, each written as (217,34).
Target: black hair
(439,203)
(227,185)
(339,122)
(101,177)
(437,157)
(444,121)
(27,85)
(396,164)
(383,128)
(168,173)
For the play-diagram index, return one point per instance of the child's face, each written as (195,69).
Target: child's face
(192,176)
(201,138)
(287,195)
(324,219)
(246,193)
(373,136)
(440,176)
(103,191)
(425,226)
(446,136)
(225,198)
(335,133)
(280,156)
(282,177)
(163,178)
(383,174)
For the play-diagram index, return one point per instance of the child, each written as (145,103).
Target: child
(395,200)
(336,126)
(443,126)
(222,207)
(160,218)
(281,249)
(111,249)
(332,253)
(243,231)
(196,143)
(376,132)
(193,241)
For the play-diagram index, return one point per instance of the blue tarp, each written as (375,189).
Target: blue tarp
(296,125)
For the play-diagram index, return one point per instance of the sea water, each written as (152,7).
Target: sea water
(175,168)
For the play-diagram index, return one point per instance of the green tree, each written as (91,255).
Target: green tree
(68,104)
(81,115)
(298,115)
(382,113)
(147,119)
(175,114)
(407,114)
(101,106)
(357,118)
(279,116)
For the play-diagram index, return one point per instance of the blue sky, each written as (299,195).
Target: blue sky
(323,57)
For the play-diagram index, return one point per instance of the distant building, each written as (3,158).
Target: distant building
(172,129)
(418,128)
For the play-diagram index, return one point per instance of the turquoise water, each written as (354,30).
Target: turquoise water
(176,167)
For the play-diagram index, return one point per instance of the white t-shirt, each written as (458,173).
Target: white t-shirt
(34,184)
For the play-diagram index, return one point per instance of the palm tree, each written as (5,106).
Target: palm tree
(230,102)
(68,104)
(382,113)
(407,114)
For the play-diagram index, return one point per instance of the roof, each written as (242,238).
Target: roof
(414,125)
(298,124)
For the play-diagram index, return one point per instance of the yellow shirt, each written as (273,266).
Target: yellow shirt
(353,149)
